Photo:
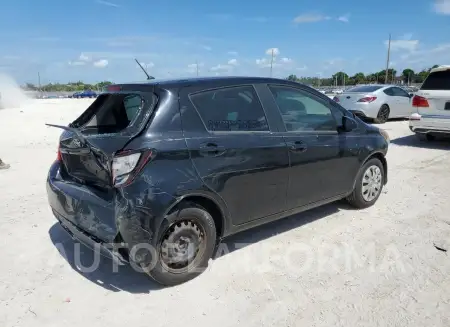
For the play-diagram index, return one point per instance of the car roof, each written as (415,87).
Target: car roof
(440,68)
(217,80)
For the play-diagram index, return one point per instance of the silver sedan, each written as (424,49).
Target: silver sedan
(377,102)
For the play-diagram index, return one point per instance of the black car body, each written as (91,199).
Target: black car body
(231,152)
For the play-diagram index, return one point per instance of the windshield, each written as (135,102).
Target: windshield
(439,80)
(365,88)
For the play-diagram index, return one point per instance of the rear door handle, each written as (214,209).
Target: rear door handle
(212,149)
(297,146)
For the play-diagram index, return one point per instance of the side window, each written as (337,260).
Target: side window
(398,92)
(389,92)
(302,111)
(231,109)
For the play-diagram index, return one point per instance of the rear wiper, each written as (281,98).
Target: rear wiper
(74,131)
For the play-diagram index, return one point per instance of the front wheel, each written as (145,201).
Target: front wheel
(185,245)
(368,186)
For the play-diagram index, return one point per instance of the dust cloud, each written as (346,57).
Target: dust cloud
(11,95)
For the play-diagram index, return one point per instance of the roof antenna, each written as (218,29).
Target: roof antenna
(145,72)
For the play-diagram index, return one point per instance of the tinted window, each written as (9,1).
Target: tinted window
(231,109)
(364,88)
(302,111)
(399,92)
(389,91)
(437,81)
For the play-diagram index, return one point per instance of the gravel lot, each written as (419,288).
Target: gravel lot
(332,266)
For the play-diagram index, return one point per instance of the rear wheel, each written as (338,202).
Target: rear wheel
(368,186)
(185,245)
(383,114)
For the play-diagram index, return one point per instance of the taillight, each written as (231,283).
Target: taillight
(127,165)
(419,101)
(367,99)
(336,99)
(59,156)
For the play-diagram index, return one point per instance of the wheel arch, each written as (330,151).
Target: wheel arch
(380,156)
(210,204)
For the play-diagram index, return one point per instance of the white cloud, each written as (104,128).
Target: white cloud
(344,18)
(192,68)
(232,53)
(407,36)
(232,62)
(107,3)
(77,63)
(147,65)
(275,52)
(286,60)
(263,62)
(406,45)
(221,67)
(310,18)
(206,47)
(84,57)
(101,63)
(303,68)
(442,7)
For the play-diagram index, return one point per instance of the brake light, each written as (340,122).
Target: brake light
(419,101)
(127,165)
(113,88)
(367,99)
(336,99)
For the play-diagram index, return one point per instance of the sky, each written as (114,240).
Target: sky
(97,40)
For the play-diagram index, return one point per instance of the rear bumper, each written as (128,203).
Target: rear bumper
(104,223)
(366,110)
(427,124)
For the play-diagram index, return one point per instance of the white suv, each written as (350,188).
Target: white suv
(432,103)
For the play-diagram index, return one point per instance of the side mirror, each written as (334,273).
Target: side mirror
(349,124)
(411,95)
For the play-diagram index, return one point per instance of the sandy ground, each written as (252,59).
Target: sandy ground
(331,266)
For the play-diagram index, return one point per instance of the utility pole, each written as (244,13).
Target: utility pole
(271,64)
(387,61)
(39,84)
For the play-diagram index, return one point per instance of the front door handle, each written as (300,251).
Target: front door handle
(212,149)
(297,146)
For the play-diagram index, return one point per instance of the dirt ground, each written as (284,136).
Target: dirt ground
(332,266)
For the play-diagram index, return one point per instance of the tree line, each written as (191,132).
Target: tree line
(408,76)
(69,87)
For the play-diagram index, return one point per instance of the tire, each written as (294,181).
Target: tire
(425,137)
(383,114)
(357,198)
(188,217)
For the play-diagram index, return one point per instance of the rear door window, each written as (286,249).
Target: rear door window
(439,80)
(230,109)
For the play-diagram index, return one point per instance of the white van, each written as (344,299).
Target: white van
(432,104)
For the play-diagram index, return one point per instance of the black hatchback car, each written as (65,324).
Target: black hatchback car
(159,172)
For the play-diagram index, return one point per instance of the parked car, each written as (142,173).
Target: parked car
(432,105)
(377,102)
(182,164)
(85,94)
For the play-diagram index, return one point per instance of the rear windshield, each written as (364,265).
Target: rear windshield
(364,88)
(111,113)
(437,81)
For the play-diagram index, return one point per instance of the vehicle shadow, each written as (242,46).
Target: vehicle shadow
(81,259)
(268,230)
(441,143)
(126,278)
